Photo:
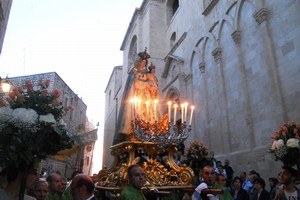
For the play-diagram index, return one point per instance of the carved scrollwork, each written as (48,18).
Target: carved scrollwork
(158,164)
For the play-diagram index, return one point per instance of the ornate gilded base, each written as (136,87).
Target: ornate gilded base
(158,164)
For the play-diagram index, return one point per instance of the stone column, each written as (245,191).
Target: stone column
(206,111)
(217,54)
(236,36)
(261,17)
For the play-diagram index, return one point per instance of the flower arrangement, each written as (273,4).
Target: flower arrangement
(285,145)
(196,156)
(31,125)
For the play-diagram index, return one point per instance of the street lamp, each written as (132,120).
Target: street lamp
(5,85)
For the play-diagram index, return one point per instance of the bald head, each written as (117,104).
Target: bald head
(82,187)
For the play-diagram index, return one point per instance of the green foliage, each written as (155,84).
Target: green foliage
(31,126)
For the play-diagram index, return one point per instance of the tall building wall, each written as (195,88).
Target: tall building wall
(5,6)
(235,60)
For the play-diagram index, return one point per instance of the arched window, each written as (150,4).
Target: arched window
(132,54)
(175,6)
(172,7)
(172,39)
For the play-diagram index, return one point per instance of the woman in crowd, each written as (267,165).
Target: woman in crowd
(239,193)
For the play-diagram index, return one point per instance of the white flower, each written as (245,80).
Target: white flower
(292,143)
(23,115)
(62,122)
(49,118)
(5,114)
(277,144)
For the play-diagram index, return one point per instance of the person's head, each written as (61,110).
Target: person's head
(254,172)
(208,174)
(220,168)
(259,183)
(64,182)
(221,180)
(287,175)
(237,183)
(226,162)
(82,187)
(273,182)
(252,178)
(95,178)
(40,189)
(136,176)
(54,182)
(243,176)
(32,176)
(218,163)
(75,173)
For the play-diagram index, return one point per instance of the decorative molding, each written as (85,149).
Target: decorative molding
(217,54)
(188,77)
(261,15)
(236,36)
(202,67)
(209,7)
(169,84)
(176,45)
(170,57)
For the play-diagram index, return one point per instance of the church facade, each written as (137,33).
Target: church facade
(235,60)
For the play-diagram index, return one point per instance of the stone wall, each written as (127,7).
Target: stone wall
(235,60)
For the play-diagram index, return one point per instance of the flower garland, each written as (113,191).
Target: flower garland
(31,125)
(285,145)
(196,156)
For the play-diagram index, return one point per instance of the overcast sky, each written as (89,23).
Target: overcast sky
(78,39)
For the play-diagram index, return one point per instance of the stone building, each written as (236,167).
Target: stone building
(235,60)
(5,6)
(80,157)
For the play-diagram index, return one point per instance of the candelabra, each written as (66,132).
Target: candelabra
(159,134)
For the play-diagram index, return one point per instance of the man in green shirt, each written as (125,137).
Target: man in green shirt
(221,184)
(136,181)
(54,186)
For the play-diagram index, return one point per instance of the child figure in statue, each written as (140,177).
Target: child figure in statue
(145,88)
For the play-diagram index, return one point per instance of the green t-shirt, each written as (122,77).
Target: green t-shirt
(226,194)
(131,193)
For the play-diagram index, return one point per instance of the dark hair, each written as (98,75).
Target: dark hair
(87,182)
(50,178)
(291,170)
(261,181)
(218,176)
(274,180)
(237,178)
(130,168)
(75,173)
(254,172)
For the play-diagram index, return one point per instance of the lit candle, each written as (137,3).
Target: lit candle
(131,105)
(135,107)
(182,112)
(147,109)
(191,117)
(155,116)
(175,110)
(185,111)
(139,107)
(169,110)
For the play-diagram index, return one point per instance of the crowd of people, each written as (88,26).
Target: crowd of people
(52,187)
(218,183)
(215,183)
